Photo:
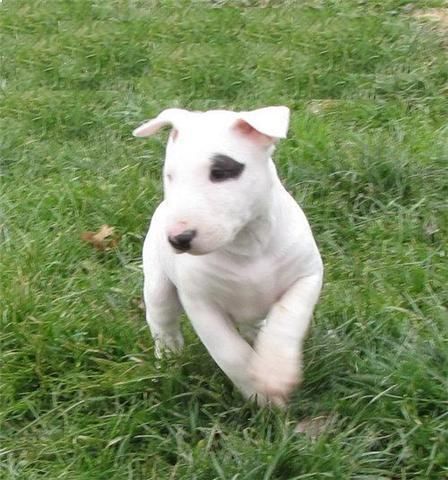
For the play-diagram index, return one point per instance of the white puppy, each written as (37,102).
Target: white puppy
(232,247)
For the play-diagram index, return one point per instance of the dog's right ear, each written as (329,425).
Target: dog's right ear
(171,116)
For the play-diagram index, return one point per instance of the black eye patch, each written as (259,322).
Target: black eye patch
(224,168)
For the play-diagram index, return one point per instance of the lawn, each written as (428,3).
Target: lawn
(82,396)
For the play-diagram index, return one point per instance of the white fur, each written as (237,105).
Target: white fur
(253,274)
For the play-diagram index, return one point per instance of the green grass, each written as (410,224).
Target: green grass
(82,396)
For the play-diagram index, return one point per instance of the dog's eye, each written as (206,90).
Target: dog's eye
(218,175)
(224,168)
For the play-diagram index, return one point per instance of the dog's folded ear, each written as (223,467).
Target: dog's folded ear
(271,122)
(171,116)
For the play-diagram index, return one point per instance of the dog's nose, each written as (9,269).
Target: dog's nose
(182,241)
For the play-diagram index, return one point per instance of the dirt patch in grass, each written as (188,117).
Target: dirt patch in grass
(439,17)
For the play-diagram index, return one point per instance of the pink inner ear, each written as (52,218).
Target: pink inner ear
(174,134)
(247,130)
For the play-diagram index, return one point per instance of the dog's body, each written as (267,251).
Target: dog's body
(250,272)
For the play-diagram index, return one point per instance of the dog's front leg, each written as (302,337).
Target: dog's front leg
(229,350)
(162,314)
(277,366)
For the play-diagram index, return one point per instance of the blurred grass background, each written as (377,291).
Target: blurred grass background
(82,396)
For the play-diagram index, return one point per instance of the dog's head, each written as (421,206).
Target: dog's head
(218,172)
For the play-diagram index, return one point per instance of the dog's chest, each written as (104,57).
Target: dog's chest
(245,290)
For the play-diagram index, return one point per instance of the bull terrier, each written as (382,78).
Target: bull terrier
(231,247)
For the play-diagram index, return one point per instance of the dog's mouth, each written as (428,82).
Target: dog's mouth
(180,250)
(190,251)
(194,249)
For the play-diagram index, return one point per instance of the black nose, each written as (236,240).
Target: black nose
(183,240)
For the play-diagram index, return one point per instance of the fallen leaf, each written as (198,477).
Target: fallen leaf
(104,239)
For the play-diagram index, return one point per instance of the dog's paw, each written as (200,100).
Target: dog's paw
(275,377)
(166,345)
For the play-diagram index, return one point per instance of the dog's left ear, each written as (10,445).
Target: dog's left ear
(171,116)
(268,124)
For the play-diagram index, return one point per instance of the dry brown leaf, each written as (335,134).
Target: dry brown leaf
(104,239)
